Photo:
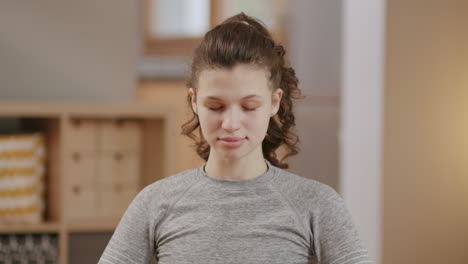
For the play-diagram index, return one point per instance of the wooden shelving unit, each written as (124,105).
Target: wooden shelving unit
(37,228)
(94,226)
(98,157)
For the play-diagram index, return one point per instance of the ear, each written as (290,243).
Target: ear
(276,100)
(193,96)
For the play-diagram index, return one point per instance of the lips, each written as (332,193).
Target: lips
(232,142)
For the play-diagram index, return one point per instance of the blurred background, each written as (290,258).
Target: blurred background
(385,115)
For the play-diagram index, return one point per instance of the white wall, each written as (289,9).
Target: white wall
(362,117)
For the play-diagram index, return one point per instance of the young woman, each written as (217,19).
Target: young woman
(241,206)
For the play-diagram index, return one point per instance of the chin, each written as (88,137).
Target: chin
(233,154)
(230,155)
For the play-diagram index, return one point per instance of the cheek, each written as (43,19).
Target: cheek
(258,124)
(209,121)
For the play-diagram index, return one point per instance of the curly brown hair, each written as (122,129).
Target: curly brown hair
(242,39)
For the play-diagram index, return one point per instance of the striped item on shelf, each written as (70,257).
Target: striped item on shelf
(22,173)
(29,248)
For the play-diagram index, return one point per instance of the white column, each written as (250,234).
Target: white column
(361,132)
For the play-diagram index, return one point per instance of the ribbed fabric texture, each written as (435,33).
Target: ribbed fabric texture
(278,217)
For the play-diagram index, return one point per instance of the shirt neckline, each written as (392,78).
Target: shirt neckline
(244,184)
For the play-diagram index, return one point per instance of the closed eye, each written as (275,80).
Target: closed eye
(217,109)
(249,108)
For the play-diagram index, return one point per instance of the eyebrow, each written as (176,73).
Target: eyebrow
(243,98)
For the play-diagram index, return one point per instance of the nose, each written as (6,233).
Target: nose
(231,120)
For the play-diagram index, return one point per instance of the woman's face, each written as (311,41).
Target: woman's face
(234,108)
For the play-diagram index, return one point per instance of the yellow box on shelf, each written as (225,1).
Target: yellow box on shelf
(22,173)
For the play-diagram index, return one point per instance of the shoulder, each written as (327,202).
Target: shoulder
(304,192)
(180,179)
(169,187)
(290,181)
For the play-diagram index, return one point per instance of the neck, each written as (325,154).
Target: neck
(239,169)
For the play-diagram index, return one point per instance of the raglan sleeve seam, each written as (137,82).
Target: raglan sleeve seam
(170,206)
(296,213)
(350,257)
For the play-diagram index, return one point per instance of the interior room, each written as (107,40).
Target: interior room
(93,95)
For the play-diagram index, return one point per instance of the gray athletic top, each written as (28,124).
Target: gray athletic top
(277,217)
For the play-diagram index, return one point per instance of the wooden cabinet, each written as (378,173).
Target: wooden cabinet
(99,156)
(103,156)
(79,188)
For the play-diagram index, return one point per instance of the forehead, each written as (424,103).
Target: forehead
(240,80)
